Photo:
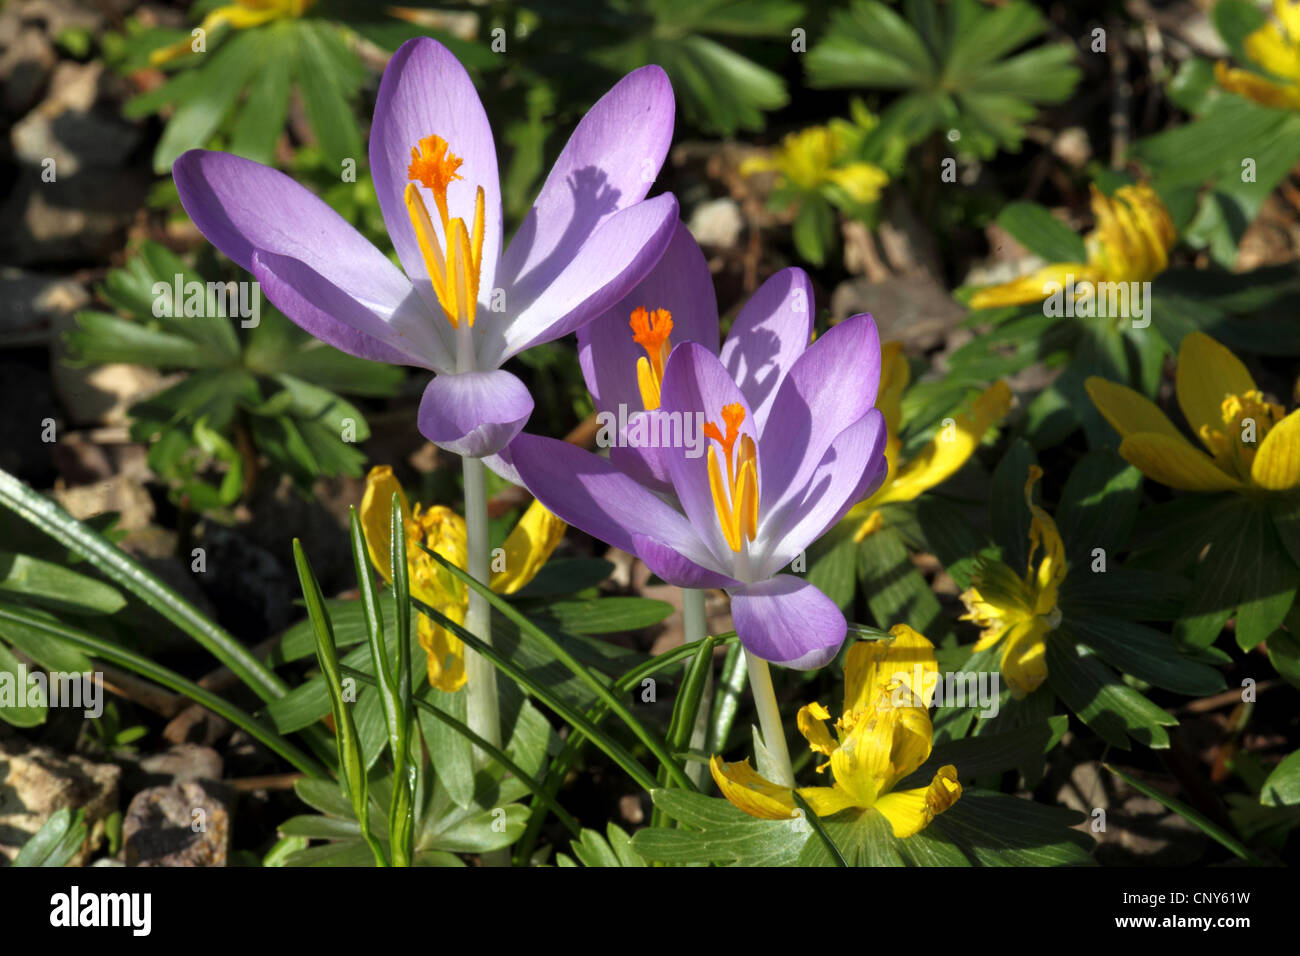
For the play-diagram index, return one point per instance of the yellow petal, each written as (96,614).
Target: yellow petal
(376,517)
(444,652)
(1254,87)
(1044,534)
(950,448)
(826,801)
(1034,287)
(1130,412)
(1277,463)
(1207,374)
(1270,48)
(870,665)
(1175,463)
(894,376)
(811,720)
(873,523)
(529,546)
(862,181)
(758,797)
(1288,14)
(911,811)
(1024,659)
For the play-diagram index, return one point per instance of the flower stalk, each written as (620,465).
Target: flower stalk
(769,720)
(483,713)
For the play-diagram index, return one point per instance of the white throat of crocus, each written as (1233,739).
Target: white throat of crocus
(453,272)
(650,330)
(735,502)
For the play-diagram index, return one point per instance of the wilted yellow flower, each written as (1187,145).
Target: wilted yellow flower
(1129,243)
(442,530)
(239,15)
(1021,609)
(1252,444)
(883,735)
(941,458)
(815,157)
(1275,48)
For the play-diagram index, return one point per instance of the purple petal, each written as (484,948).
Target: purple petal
(675,569)
(788,621)
(474,413)
(243,207)
(337,319)
(852,467)
(618,255)
(771,332)
(680,282)
(426,92)
(590,493)
(608,164)
(696,383)
(831,386)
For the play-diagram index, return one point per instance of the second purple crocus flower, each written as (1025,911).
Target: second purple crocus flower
(460,305)
(793,442)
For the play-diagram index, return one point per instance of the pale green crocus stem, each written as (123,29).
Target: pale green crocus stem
(769,720)
(695,622)
(483,714)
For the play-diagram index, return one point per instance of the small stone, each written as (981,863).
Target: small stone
(717,223)
(184,824)
(916,310)
(182,762)
(25,67)
(36,782)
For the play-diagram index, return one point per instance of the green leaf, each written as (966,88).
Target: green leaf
(714,831)
(896,592)
(1007,509)
(1091,690)
(57,587)
(992,829)
(592,849)
(607,615)
(1098,506)
(22,704)
(1144,653)
(59,839)
(976,757)
(1042,233)
(1282,788)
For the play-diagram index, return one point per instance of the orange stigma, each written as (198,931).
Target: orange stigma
(454,272)
(736,502)
(651,330)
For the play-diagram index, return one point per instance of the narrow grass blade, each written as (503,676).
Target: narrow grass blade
(135,578)
(115,654)
(1202,823)
(599,687)
(352,767)
(815,822)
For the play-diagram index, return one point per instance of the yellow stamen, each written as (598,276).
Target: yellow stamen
(736,502)
(651,331)
(455,274)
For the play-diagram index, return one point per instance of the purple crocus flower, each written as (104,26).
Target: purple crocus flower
(460,305)
(793,442)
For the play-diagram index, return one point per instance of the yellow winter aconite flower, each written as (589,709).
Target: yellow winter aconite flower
(1275,48)
(442,530)
(946,452)
(1251,444)
(1021,610)
(883,735)
(239,15)
(1129,243)
(814,157)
